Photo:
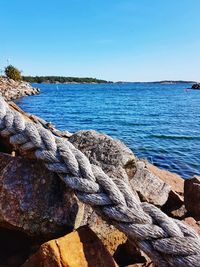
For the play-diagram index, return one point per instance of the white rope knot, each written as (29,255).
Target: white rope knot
(167,241)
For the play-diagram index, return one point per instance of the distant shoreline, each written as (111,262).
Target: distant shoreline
(118,82)
(89,80)
(162,82)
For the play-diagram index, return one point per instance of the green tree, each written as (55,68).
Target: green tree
(13,73)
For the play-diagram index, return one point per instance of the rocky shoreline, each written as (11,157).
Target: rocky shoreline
(42,223)
(12,90)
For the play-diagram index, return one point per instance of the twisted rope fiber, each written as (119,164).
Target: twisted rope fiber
(167,241)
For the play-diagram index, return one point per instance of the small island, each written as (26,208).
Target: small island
(196,86)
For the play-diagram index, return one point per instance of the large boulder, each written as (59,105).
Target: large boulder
(192,196)
(80,248)
(111,155)
(35,200)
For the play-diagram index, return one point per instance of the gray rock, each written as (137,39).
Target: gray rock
(111,155)
(149,187)
(12,90)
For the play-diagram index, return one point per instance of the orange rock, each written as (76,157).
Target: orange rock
(81,248)
(108,234)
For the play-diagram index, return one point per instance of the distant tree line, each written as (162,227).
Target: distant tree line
(15,74)
(61,79)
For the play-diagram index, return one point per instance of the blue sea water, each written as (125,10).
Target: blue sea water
(159,122)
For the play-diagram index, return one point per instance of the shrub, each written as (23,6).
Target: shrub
(13,73)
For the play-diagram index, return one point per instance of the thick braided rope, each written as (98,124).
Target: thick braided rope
(168,242)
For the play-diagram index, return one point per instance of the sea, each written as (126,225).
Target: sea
(159,122)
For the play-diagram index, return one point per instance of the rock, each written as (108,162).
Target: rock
(34,200)
(157,186)
(118,162)
(193,223)
(179,213)
(12,90)
(192,196)
(111,155)
(175,198)
(174,180)
(149,187)
(196,86)
(109,235)
(79,248)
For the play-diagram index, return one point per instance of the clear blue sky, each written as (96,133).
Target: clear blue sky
(134,40)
